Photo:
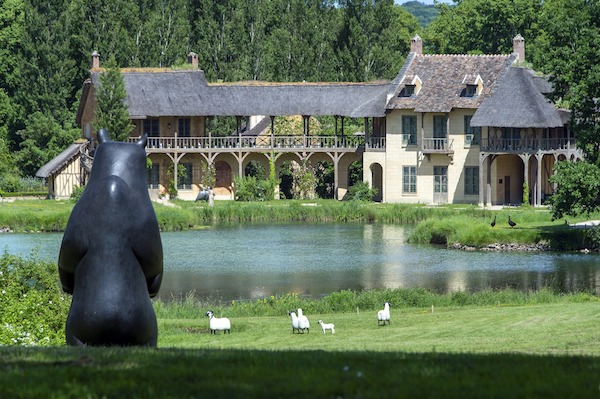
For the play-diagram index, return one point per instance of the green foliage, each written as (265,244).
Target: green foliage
(11,183)
(181,174)
(42,139)
(251,188)
(481,26)
(578,189)
(361,191)
(77,193)
(34,309)
(425,13)
(568,51)
(209,173)
(304,181)
(111,110)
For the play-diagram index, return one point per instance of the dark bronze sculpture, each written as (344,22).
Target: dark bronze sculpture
(111,256)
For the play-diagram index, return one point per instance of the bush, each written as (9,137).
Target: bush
(250,188)
(11,184)
(34,309)
(361,191)
(77,192)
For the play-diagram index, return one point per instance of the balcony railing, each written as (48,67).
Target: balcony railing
(527,144)
(438,146)
(261,142)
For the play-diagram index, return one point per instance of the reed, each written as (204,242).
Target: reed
(348,301)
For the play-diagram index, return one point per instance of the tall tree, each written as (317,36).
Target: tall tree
(111,110)
(481,26)
(569,50)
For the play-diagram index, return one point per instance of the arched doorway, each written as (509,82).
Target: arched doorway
(222,178)
(377,181)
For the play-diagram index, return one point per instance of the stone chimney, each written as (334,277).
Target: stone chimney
(519,47)
(416,45)
(193,59)
(95,60)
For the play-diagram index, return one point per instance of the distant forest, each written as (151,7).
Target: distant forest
(425,13)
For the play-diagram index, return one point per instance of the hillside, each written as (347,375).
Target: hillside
(425,13)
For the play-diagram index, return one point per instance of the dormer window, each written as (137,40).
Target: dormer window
(471,91)
(408,91)
(412,87)
(473,86)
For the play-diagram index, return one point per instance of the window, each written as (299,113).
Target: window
(440,127)
(472,133)
(153,176)
(409,179)
(471,91)
(152,127)
(471,180)
(408,91)
(185,182)
(184,127)
(409,129)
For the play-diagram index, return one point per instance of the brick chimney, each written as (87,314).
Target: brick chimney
(519,47)
(95,60)
(416,45)
(193,59)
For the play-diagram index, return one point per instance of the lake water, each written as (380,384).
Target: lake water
(250,261)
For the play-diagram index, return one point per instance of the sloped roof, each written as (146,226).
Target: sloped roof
(156,92)
(153,93)
(443,78)
(284,99)
(517,102)
(60,161)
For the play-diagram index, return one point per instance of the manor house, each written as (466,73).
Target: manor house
(447,129)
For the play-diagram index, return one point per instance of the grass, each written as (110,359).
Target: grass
(464,224)
(532,351)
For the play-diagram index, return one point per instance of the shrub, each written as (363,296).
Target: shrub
(11,184)
(34,309)
(361,191)
(77,192)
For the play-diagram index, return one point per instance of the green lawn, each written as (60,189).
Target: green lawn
(535,351)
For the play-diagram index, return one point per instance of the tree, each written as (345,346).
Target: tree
(569,50)
(578,189)
(481,26)
(111,110)
(42,139)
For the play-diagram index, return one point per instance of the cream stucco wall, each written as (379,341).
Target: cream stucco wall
(398,155)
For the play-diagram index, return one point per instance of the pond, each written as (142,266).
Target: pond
(249,261)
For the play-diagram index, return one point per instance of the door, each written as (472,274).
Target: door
(506,190)
(440,132)
(440,184)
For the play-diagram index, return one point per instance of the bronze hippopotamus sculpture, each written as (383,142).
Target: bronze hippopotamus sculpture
(111,256)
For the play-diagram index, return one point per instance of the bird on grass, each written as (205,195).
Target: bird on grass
(493,221)
(510,222)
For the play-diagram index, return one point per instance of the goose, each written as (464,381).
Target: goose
(510,222)
(493,221)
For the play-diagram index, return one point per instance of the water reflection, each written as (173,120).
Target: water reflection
(256,261)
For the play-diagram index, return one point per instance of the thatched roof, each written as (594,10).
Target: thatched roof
(60,161)
(517,102)
(443,80)
(155,93)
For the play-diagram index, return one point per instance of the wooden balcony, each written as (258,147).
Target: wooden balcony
(256,143)
(528,145)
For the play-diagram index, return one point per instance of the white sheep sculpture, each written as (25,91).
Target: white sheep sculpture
(383,316)
(218,324)
(303,323)
(295,326)
(327,326)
